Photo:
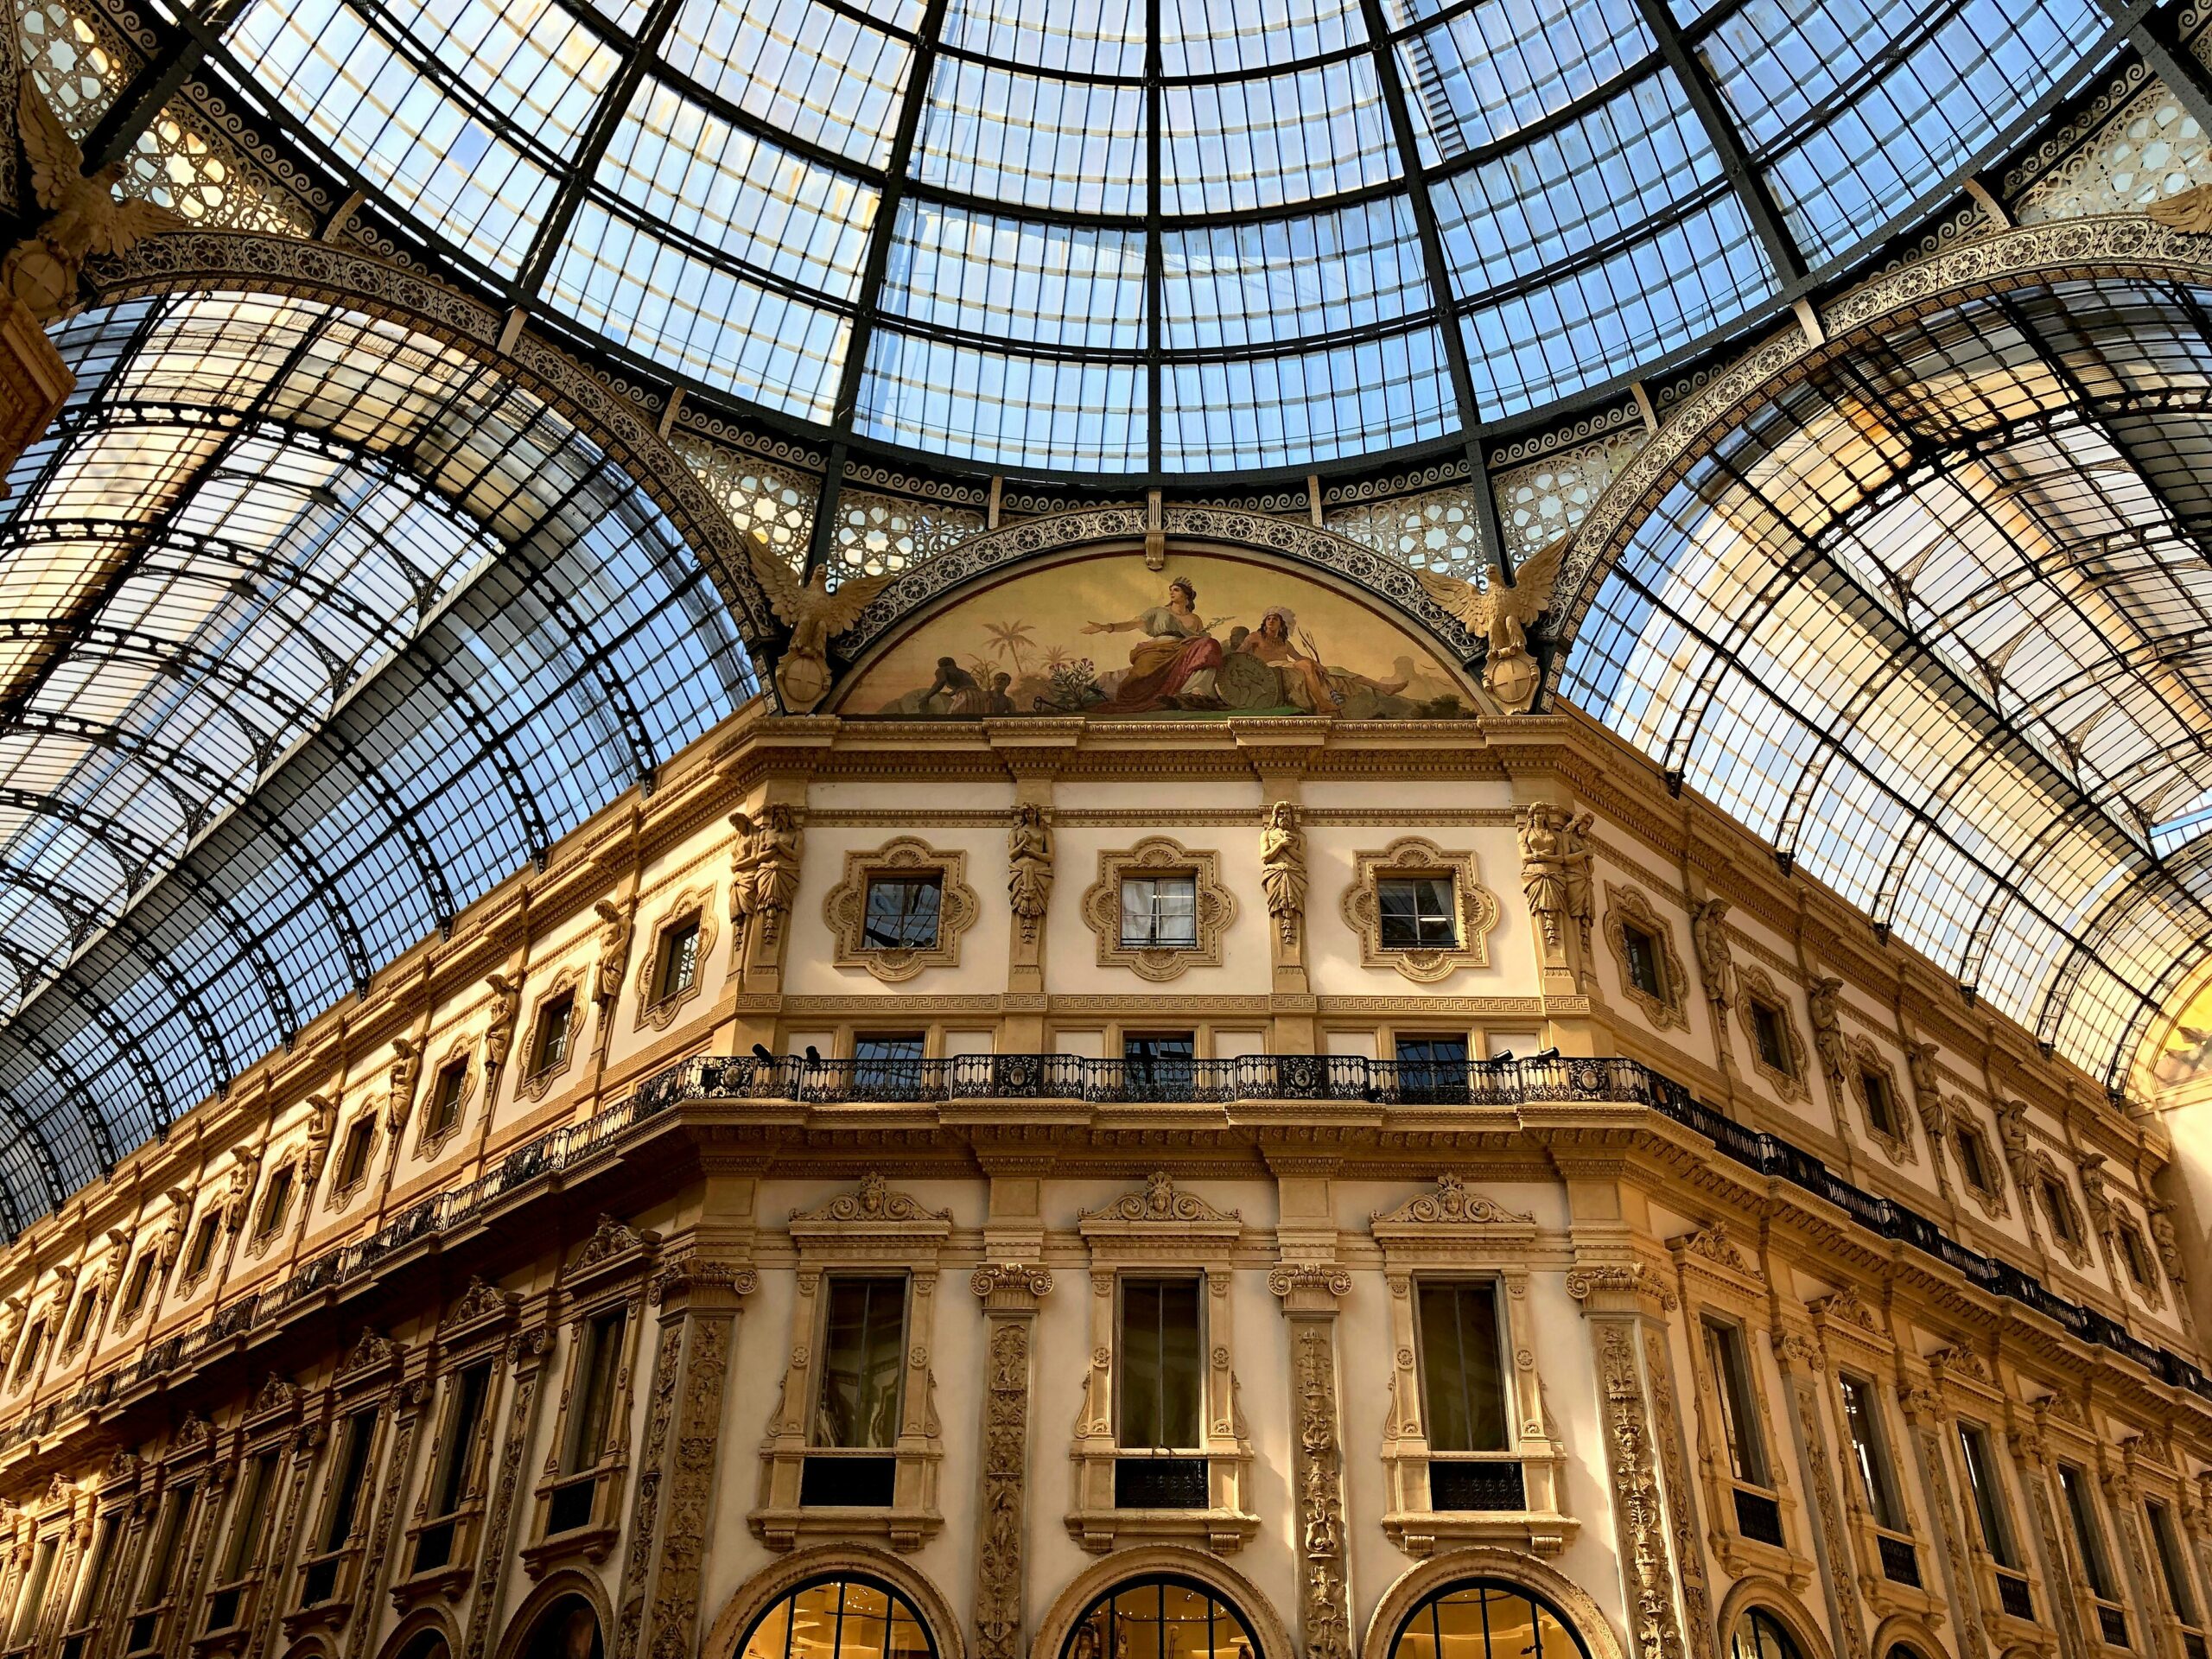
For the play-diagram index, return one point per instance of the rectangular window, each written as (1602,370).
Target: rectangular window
(142,1279)
(2058,1204)
(679,969)
(1418,912)
(244,1543)
(203,1247)
(445,1098)
(33,1350)
(1774,1044)
(1881,1106)
(2089,1538)
(80,1317)
(91,1577)
(1159,1061)
(274,1201)
(350,1474)
(1973,1161)
(1430,1068)
(353,1161)
(1731,1383)
(902,913)
(1462,1375)
(887,1061)
(1159,912)
(1988,1496)
(32,1602)
(160,1567)
(450,1484)
(2134,1257)
(1159,1346)
(555,1022)
(2171,1565)
(1870,1453)
(591,1410)
(863,1357)
(1642,952)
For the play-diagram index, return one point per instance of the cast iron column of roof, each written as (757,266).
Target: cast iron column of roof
(184,46)
(869,294)
(553,229)
(1439,270)
(2152,31)
(1156,253)
(1721,131)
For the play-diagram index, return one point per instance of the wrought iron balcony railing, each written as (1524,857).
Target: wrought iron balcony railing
(1542,1079)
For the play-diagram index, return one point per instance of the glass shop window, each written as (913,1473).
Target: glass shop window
(1486,1618)
(1418,913)
(1159,912)
(902,913)
(842,1618)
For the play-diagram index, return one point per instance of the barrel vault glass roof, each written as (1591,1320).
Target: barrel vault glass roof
(1937,622)
(311,630)
(1154,237)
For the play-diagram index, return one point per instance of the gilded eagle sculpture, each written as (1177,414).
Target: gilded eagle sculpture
(815,616)
(83,218)
(1499,615)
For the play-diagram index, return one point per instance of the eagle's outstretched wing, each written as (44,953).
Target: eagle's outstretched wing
(1530,596)
(779,582)
(1470,604)
(55,160)
(841,610)
(2190,211)
(132,222)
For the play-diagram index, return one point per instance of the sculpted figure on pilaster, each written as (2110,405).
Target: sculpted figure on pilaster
(170,1244)
(1282,869)
(1029,868)
(2095,1196)
(2012,1132)
(1823,1001)
(399,1086)
(1928,1095)
(1580,859)
(322,1127)
(2166,1240)
(764,873)
(1543,868)
(499,1035)
(613,959)
(1716,956)
(237,1191)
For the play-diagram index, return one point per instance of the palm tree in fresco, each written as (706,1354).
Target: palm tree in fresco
(1007,639)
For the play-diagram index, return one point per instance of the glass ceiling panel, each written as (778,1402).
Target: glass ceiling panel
(799,66)
(1271,411)
(1855,108)
(1043,412)
(719,225)
(292,700)
(1930,623)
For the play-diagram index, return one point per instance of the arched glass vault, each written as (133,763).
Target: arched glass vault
(1935,619)
(311,630)
(1151,238)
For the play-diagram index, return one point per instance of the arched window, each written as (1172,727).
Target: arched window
(840,1619)
(1486,1618)
(567,1629)
(1760,1635)
(1161,1617)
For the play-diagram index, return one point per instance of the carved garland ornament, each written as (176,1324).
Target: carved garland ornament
(1626,907)
(1475,909)
(845,910)
(655,1012)
(1158,856)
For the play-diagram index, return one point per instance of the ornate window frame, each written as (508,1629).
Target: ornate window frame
(341,1197)
(460,1052)
(473,1332)
(121,1496)
(1158,856)
(871,1230)
(1721,1285)
(2132,1246)
(1454,1234)
(368,1379)
(1964,1387)
(188,1462)
(1865,1058)
(610,1271)
(1756,986)
(2055,1195)
(1475,909)
(659,1014)
(1149,1231)
(1850,1339)
(844,908)
(1627,904)
(260,1239)
(1962,1120)
(569,981)
(268,1429)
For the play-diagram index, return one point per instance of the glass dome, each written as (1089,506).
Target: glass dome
(1165,239)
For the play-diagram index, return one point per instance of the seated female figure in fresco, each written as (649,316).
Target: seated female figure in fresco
(1174,667)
